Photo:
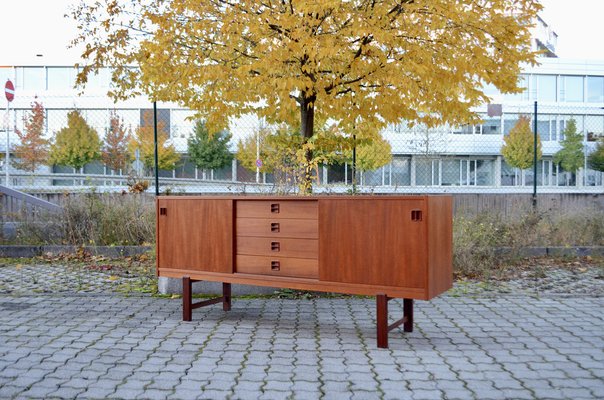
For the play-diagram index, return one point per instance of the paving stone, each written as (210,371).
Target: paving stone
(66,393)
(135,340)
(154,394)
(100,393)
(39,392)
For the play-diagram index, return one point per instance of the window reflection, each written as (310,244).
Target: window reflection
(546,87)
(491,126)
(595,89)
(572,88)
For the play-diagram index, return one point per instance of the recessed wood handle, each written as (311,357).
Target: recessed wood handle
(275,265)
(275,208)
(275,246)
(416,215)
(274,227)
(163,211)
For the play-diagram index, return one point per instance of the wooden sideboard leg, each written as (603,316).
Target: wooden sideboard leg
(226,296)
(187,299)
(383,328)
(408,315)
(381,301)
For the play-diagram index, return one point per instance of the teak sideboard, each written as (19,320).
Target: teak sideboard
(383,246)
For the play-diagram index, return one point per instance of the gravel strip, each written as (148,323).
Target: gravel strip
(19,279)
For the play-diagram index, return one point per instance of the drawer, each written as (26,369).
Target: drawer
(277,228)
(278,266)
(297,209)
(272,247)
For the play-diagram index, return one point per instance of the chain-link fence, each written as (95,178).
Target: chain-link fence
(63,144)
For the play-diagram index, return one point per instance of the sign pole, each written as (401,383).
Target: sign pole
(9,92)
(7,152)
(535,159)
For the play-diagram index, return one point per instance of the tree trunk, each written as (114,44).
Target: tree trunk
(307,121)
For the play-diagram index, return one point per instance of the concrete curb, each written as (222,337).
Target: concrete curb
(27,251)
(554,251)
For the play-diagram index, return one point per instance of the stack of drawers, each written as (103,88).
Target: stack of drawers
(277,238)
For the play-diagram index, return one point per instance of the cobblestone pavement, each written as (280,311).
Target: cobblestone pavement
(60,339)
(17,279)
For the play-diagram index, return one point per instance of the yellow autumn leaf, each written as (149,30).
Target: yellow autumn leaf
(113,278)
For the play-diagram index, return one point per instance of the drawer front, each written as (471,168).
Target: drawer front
(296,209)
(278,266)
(272,247)
(277,228)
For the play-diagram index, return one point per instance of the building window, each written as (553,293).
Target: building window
(32,78)
(593,178)
(61,78)
(563,121)
(481,172)
(510,176)
(491,126)
(571,89)
(427,171)
(544,86)
(595,89)
(594,126)
(465,129)
(546,127)
(509,121)
(399,172)
(451,172)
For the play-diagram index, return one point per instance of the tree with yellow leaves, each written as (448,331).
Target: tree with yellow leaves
(143,141)
(75,145)
(518,147)
(356,62)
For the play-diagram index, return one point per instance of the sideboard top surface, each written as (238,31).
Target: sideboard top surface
(303,198)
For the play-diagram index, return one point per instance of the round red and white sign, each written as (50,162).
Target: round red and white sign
(9,91)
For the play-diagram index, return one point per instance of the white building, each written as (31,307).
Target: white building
(466,158)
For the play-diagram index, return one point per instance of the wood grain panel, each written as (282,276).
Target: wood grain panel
(295,267)
(287,228)
(440,244)
(282,247)
(297,209)
(299,283)
(195,235)
(373,241)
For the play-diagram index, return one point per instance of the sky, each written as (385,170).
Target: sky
(32,27)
